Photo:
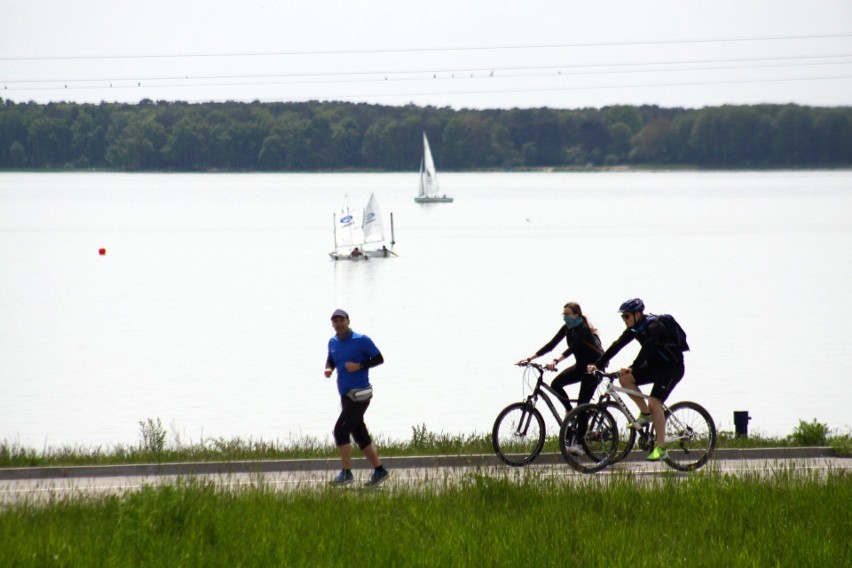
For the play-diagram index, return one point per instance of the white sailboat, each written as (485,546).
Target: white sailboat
(359,233)
(429,178)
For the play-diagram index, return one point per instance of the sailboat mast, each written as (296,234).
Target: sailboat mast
(393,239)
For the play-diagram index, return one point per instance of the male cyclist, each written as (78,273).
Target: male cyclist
(659,362)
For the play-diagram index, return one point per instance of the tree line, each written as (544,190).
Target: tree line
(318,136)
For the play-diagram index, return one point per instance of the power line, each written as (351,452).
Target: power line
(420,50)
(398,76)
(808,60)
(496,91)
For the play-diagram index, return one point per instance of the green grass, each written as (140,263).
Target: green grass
(154,447)
(789,517)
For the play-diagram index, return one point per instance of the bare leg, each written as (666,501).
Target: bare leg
(372,455)
(346,455)
(628,381)
(659,418)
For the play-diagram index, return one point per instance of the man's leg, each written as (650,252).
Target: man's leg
(372,455)
(346,455)
(628,381)
(659,418)
(659,393)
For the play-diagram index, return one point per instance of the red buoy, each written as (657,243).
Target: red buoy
(102,251)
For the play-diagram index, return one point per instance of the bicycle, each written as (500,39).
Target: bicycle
(690,432)
(519,432)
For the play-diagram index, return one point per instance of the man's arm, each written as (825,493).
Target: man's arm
(329,365)
(373,362)
(613,349)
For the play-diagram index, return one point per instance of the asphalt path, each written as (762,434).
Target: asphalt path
(49,483)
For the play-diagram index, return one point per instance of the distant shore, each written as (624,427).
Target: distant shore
(543,169)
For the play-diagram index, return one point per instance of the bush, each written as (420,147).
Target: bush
(810,434)
(153,436)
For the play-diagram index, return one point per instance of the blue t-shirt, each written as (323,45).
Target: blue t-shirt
(357,348)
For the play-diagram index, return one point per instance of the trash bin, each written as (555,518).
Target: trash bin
(741,419)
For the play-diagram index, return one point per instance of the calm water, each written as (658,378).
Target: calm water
(211,308)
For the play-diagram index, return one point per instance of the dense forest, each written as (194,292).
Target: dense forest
(319,136)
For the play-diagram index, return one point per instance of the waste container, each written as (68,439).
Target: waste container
(741,419)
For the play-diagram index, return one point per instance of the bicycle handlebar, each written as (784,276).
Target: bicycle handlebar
(613,375)
(533,365)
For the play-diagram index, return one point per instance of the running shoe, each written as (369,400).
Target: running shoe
(345,477)
(658,454)
(378,477)
(641,421)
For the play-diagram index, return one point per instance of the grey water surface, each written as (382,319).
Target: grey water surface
(210,309)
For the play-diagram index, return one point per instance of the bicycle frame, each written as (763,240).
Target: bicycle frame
(541,389)
(611,393)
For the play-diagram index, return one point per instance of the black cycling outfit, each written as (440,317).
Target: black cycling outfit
(659,361)
(586,348)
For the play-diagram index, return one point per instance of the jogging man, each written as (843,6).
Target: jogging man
(658,362)
(352,354)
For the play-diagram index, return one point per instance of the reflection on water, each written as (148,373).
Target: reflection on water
(210,308)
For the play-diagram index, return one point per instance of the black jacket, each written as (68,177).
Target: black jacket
(654,337)
(582,343)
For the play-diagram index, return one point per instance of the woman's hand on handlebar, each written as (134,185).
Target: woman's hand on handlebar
(526,360)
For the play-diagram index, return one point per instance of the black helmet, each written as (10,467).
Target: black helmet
(634,305)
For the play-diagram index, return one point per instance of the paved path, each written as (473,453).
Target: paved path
(35,484)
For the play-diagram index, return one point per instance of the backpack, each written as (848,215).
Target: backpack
(676,333)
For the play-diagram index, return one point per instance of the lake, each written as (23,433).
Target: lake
(210,309)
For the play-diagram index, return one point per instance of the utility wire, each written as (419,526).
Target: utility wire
(807,60)
(470,92)
(420,50)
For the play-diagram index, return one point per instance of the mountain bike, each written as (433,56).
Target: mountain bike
(519,432)
(690,432)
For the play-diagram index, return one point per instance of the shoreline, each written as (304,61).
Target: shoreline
(621,168)
(333,463)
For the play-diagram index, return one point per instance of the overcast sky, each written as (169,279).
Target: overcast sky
(461,53)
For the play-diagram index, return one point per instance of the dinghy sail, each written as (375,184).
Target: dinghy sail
(359,234)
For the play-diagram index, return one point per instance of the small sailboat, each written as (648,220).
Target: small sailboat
(359,234)
(429,178)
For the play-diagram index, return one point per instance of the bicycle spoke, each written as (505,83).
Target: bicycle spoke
(626,434)
(588,438)
(518,434)
(690,436)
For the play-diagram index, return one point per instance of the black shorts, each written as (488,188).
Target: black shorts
(664,377)
(350,425)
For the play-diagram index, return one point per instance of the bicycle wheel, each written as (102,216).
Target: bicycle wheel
(690,436)
(518,434)
(626,434)
(588,438)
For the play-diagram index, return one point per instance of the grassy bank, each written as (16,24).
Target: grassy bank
(787,518)
(154,447)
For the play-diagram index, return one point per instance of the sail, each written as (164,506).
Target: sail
(428,175)
(348,225)
(374,231)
